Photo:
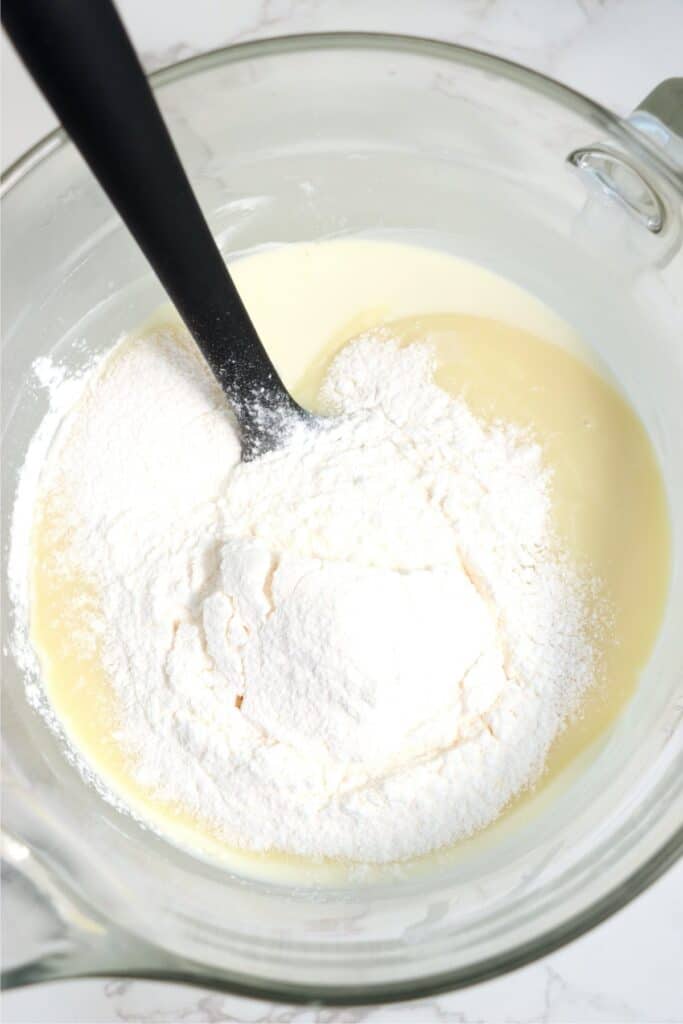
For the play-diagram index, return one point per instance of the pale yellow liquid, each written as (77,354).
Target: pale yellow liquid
(608,496)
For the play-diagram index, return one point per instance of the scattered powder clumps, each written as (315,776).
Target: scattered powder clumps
(358,646)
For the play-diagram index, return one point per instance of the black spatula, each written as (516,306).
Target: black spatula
(79,54)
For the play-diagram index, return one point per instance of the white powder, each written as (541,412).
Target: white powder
(358,646)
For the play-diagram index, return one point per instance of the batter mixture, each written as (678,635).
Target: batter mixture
(364,645)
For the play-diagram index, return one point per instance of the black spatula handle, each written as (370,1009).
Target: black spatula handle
(80,55)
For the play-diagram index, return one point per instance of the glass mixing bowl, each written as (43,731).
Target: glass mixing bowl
(304,138)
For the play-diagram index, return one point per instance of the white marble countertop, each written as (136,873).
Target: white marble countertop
(629,968)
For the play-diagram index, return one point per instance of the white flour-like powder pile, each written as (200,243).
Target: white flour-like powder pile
(358,646)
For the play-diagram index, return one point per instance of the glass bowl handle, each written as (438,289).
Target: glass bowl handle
(50,933)
(47,935)
(620,176)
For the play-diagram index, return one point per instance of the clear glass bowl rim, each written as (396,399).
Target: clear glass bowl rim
(672,849)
